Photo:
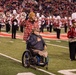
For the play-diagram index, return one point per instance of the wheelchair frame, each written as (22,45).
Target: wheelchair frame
(28,59)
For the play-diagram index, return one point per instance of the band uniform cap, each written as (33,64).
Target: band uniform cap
(73,17)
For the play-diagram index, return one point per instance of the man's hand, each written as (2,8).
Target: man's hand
(45,47)
(38,39)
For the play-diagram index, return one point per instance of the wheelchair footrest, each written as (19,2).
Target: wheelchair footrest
(42,64)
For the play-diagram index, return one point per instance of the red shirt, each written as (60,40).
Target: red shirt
(56,24)
(29,26)
(72,32)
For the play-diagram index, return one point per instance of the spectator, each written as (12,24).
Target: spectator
(29,25)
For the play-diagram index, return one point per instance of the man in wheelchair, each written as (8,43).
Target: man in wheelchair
(37,46)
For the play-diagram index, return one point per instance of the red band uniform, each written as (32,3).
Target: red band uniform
(72,40)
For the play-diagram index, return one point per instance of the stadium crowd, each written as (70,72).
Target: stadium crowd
(49,13)
(53,7)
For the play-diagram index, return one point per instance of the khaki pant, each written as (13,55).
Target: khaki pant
(43,53)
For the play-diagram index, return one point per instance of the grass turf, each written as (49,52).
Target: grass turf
(58,57)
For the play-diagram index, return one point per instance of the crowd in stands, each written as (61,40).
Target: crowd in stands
(53,7)
(45,8)
(50,14)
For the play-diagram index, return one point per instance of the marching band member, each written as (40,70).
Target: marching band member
(39,22)
(57,25)
(48,23)
(72,38)
(14,24)
(42,23)
(14,27)
(51,24)
(2,19)
(22,18)
(65,24)
(69,22)
(8,21)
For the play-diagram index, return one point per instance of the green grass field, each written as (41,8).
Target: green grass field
(58,57)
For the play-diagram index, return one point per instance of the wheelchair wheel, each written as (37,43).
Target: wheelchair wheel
(26,59)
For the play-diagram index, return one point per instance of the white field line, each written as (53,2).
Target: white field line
(36,68)
(57,45)
(10,57)
(68,72)
(21,62)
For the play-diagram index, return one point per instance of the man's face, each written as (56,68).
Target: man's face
(36,32)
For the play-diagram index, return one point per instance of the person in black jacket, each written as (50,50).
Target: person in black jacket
(37,43)
(14,28)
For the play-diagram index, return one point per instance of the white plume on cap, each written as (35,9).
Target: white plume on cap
(54,17)
(50,17)
(38,14)
(73,15)
(58,17)
(65,17)
(70,18)
(14,12)
(42,16)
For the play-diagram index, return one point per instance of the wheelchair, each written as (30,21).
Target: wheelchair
(30,58)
